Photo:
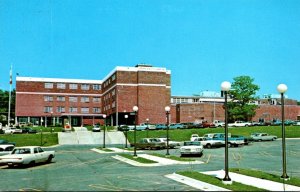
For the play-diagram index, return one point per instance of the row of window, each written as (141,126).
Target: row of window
(83,99)
(62,109)
(73,86)
(108,81)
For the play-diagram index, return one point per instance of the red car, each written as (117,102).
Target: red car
(207,124)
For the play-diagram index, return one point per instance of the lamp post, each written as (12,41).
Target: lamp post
(147,121)
(41,136)
(104,117)
(51,120)
(282,88)
(126,127)
(135,109)
(225,86)
(167,109)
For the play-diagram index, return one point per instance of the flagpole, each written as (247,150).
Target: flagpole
(9,99)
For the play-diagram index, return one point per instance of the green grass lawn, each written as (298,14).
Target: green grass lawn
(259,174)
(45,139)
(138,159)
(235,186)
(185,134)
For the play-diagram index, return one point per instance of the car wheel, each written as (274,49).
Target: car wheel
(31,164)
(11,165)
(208,146)
(49,159)
(229,144)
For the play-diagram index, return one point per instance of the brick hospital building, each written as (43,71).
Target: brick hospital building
(49,101)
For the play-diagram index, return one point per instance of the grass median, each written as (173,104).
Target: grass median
(138,159)
(235,186)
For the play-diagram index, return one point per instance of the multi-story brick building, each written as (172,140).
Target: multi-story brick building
(49,100)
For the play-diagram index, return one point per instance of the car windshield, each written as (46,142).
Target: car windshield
(192,143)
(21,151)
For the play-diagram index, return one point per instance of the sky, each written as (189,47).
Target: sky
(202,42)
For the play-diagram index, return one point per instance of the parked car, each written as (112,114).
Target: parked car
(206,124)
(209,143)
(172,144)
(28,130)
(176,126)
(5,142)
(297,123)
(96,128)
(191,148)
(6,149)
(194,136)
(28,155)
(263,137)
(189,125)
(12,130)
(160,126)
(232,140)
(239,124)
(219,123)
(255,123)
(149,143)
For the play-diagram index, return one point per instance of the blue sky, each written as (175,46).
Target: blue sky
(202,42)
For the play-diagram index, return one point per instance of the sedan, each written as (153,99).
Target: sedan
(96,128)
(191,148)
(176,126)
(28,130)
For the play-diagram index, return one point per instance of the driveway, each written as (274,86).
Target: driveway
(78,168)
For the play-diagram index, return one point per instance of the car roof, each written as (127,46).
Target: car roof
(8,145)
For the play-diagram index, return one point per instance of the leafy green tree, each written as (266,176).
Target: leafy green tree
(4,100)
(242,95)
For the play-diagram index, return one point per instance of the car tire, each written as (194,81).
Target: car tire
(208,146)
(49,159)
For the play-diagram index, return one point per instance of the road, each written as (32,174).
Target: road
(77,168)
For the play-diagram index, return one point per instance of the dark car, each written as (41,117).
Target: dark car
(5,142)
(28,130)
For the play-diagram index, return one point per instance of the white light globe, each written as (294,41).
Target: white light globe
(126,116)
(225,86)
(135,108)
(282,88)
(104,116)
(167,108)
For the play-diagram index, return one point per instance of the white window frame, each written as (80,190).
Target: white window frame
(48,85)
(85,87)
(85,110)
(61,86)
(73,86)
(48,98)
(60,98)
(73,99)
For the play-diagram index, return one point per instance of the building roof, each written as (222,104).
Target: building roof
(57,80)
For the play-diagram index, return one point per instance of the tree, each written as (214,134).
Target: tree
(4,100)
(242,95)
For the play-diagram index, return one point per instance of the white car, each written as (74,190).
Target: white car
(191,148)
(239,124)
(209,143)
(172,144)
(96,128)
(194,136)
(28,155)
(12,130)
(263,137)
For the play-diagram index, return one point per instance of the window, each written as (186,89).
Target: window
(60,98)
(73,86)
(61,85)
(84,110)
(85,99)
(47,109)
(49,85)
(85,86)
(96,110)
(113,105)
(96,99)
(73,99)
(60,109)
(73,109)
(96,87)
(113,77)
(48,98)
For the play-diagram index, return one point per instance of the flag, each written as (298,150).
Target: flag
(10,77)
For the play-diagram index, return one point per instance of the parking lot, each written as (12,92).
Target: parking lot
(81,169)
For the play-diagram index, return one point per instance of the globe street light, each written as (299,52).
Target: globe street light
(282,88)
(167,109)
(126,127)
(135,109)
(225,87)
(104,116)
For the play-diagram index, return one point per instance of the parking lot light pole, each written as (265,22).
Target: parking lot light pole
(126,127)
(282,88)
(167,109)
(104,117)
(135,109)
(147,121)
(225,87)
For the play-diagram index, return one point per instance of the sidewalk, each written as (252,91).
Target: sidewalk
(260,183)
